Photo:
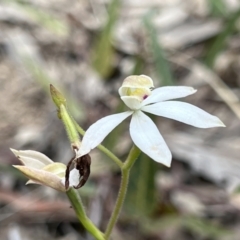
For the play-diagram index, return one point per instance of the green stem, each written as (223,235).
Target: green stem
(82,217)
(69,125)
(102,148)
(119,203)
(133,155)
(125,167)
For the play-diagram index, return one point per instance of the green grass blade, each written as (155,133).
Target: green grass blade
(161,64)
(141,198)
(220,41)
(103,51)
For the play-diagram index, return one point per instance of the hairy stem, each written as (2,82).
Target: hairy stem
(133,155)
(82,217)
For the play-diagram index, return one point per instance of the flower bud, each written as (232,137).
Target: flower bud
(57,97)
(67,120)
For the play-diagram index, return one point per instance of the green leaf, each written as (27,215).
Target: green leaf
(218,8)
(220,41)
(103,51)
(141,197)
(47,20)
(43,18)
(139,65)
(161,64)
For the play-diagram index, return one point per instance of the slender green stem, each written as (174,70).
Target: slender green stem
(110,155)
(125,167)
(82,217)
(102,148)
(133,155)
(69,125)
(119,203)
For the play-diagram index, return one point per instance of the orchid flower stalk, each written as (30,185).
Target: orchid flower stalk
(139,95)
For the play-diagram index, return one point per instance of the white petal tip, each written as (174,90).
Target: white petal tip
(194,90)
(168,164)
(164,161)
(217,123)
(15,152)
(30,182)
(221,124)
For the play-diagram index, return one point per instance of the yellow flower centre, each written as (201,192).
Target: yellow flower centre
(140,93)
(136,87)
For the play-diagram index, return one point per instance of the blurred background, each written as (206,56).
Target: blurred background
(86,49)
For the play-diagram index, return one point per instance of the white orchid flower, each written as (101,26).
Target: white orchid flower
(42,170)
(136,93)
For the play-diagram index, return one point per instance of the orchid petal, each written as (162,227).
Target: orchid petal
(184,112)
(32,158)
(167,93)
(99,130)
(31,162)
(42,177)
(33,154)
(146,136)
(32,182)
(56,168)
(74,177)
(132,102)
